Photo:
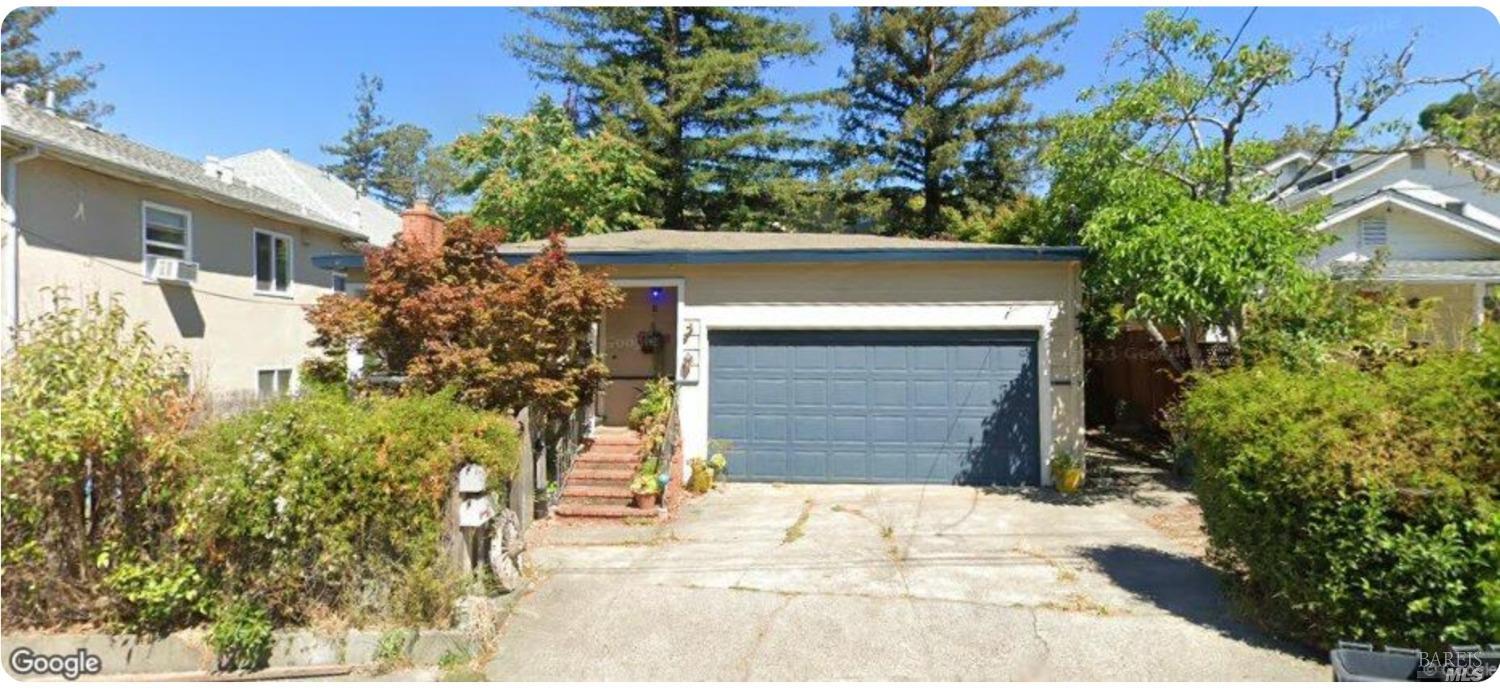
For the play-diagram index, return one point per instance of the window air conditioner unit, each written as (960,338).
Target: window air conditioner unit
(172,270)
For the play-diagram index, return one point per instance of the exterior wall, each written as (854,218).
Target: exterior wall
(629,368)
(1456,313)
(1410,237)
(1041,296)
(82,232)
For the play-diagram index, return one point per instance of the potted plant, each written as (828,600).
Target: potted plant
(644,488)
(702,478)
(1067,473)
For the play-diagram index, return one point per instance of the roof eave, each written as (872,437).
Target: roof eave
(117,170)
(714,257)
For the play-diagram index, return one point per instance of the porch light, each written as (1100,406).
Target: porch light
(657,296)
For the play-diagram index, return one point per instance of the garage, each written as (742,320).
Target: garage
(894,406)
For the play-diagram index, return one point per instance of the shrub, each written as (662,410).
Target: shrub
(94,412)
(333,498)
(1356,504)
(156,597)
(241,636)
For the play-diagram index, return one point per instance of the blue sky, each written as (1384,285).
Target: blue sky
(228,80)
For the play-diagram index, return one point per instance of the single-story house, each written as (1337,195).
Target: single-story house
(847,357)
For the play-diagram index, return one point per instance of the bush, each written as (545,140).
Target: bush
(94,411)
(241,636)
(157,597)
(332,497)
(1356,504)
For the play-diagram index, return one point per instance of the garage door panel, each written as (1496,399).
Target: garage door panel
(877,406)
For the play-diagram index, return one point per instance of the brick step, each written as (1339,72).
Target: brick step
(610,492)
(623,501)
(604,467)
(597,457)
(599,511)
(581,475)
(613,446)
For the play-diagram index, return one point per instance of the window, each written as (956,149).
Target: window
(1492,303)
(340,283)
(273,262)
(1372,232)
(166,231)
(272,383)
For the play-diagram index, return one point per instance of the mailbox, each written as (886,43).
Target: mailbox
(472,478)
(475,512)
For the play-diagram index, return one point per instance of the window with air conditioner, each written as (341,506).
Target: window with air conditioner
(273,263)
(273,383)
(166,232)
(1372,233)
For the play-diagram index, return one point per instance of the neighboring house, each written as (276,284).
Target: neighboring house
(847,357)
(317,190)
(1431,214)
(214,264)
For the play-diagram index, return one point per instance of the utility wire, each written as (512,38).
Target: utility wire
(1199,101)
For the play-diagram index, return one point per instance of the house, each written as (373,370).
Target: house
(213,262)
(1428,210)
(847,357)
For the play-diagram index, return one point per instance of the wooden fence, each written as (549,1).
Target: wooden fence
(1130,384)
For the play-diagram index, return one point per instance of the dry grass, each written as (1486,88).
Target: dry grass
(796,530)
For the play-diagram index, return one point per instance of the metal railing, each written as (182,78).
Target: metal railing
(668,448)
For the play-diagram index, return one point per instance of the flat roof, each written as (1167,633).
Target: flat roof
(668,246)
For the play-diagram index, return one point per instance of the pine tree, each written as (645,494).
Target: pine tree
(359,150)
(686,85)
(411,166)
(58,71)
(934,105)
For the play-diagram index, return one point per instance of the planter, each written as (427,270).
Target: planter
(1068,482)
(644,500)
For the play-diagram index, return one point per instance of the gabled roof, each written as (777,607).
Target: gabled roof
(314,188)
(666,246)
(114,155)
(1397,198)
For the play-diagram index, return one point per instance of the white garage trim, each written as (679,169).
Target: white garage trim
(1037,316)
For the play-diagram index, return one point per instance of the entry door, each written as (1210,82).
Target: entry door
(956,407)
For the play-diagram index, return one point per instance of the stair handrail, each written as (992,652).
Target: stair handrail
(669,444)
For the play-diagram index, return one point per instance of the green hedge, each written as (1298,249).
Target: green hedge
(325,503)
(1353,504)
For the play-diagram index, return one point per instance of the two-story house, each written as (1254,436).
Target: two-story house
(216,263)
(1434,213)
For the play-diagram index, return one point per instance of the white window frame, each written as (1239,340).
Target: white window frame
(291,263)
(187,245)
(291,381)
(333,280)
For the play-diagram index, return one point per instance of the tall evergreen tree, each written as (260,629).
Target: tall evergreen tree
(411,166)
(935,105)
(686,85)
(359,150)
(59,71)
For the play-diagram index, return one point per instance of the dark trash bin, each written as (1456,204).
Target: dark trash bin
(1359,662)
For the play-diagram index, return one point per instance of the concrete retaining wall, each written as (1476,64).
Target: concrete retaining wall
(188,651)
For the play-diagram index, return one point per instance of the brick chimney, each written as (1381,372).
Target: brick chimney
(421,225)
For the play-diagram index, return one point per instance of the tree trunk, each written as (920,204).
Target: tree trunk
(1165,347)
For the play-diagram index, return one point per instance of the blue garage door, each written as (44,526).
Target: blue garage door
(876,406)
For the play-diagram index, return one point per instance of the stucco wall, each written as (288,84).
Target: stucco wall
(1044,296)
(82,231)
(1455,312)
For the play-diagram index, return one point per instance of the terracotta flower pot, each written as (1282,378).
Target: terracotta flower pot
(1068,482)
(645,500)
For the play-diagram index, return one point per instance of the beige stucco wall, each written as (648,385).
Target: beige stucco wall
(892,295)
(1455,311)
(82,231)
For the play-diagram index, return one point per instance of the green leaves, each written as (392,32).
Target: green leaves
(535,175)
(685,86)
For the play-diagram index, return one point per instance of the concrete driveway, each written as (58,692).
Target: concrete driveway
(794,582)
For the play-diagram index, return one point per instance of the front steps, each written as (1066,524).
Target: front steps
(598,484)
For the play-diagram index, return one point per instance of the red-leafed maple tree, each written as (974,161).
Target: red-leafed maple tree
(454,314)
